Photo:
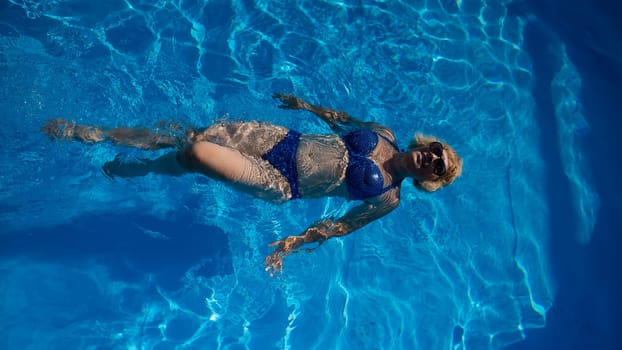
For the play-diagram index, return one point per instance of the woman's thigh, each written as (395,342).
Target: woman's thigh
(246,173)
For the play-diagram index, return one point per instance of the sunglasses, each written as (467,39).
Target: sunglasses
(435,148)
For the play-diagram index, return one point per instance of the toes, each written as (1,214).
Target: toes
(59,128)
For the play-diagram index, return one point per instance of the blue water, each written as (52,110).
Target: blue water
(520,252)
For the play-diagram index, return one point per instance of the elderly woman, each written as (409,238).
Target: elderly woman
(359,162)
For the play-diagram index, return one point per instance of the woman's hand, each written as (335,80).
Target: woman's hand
(317,233)
(274,261)
(290,101)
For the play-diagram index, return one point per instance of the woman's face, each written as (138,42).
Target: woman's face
(429,162)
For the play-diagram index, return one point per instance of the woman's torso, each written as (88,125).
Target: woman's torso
(322,165)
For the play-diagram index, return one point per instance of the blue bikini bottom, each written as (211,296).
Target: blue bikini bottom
(283,157)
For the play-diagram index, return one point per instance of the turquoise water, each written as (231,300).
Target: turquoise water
(159,263)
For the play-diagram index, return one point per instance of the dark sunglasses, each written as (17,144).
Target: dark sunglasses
(435,148)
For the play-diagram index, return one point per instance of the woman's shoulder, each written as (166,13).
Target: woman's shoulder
(381,130)
(386,132)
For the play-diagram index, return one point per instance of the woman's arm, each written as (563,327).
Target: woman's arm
(354,219)
(333,118)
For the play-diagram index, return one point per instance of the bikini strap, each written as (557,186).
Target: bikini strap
(389,141)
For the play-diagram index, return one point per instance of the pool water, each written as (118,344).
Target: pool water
(176,263)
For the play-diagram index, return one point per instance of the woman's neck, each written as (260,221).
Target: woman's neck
(398,165)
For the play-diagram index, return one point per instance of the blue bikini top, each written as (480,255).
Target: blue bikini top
(363,178)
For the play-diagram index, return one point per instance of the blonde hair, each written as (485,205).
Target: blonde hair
(454,168)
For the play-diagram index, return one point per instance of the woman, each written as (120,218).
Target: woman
(361,161)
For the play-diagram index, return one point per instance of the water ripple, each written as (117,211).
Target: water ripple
(464,268)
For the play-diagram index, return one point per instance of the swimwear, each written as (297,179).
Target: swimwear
(363,178)
(283,157)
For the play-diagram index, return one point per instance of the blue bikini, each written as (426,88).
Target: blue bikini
(283,157)
(363,178)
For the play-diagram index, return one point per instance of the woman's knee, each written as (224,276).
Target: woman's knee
(188,157)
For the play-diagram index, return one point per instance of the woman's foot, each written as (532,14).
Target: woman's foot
(124,166)
(61,129)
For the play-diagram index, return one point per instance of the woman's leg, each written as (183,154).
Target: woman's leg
(250,138)
(167,164)
(229,152)
(143,138)
(246,173)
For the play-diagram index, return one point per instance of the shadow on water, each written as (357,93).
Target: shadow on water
(586,310)
(130,245)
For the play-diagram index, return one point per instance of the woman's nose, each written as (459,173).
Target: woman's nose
(427,159)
